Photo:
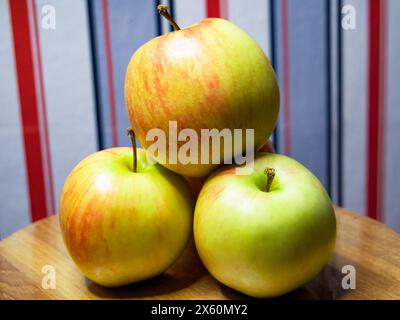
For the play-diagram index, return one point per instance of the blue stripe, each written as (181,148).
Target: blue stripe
(340,106)
(101,84)
(132,23)
(308,84)
(95,74)
(277,19)
(157,17)
(329,97)
(172,13)
(273,62)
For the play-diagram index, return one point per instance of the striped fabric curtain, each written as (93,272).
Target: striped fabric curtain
(62,68)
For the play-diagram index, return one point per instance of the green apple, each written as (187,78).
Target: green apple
(208,75)
(266,233)
(122,225)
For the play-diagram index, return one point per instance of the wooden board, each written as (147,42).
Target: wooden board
(371,247)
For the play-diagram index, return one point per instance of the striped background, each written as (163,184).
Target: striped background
(61,92)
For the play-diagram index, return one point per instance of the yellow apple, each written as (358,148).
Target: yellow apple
(122,226)
(266,233)
(209,75)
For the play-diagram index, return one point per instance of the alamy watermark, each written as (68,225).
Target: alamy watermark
(349,280)
(348,17)
(211,146)
(49,280)
(48,19)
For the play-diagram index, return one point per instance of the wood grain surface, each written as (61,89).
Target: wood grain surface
(371,247)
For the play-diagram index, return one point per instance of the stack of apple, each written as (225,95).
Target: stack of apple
(125,218)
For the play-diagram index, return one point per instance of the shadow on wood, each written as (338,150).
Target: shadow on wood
(185,271)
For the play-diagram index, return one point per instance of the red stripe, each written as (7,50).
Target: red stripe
(383,95)
(213,9)
(285,72)
(110,74)
(51,203)
(375,107)
(28,108)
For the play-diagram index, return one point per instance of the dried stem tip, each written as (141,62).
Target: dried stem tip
(163,10)
(270,172)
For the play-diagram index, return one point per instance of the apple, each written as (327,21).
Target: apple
(266,233)
(209,75)
(122,225)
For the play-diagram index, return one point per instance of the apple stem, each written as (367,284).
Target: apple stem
(163,10)
(131,133)
(270,172)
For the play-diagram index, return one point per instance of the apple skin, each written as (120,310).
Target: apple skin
(264,244)
(119,226)
(209,75)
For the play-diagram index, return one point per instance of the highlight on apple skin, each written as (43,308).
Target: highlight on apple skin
(121,226)
(209,75)
(264,240)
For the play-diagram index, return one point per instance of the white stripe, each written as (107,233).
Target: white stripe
(254,18)
(391,195)
(189,12)
(68,87)
(355,106)
(14,200)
